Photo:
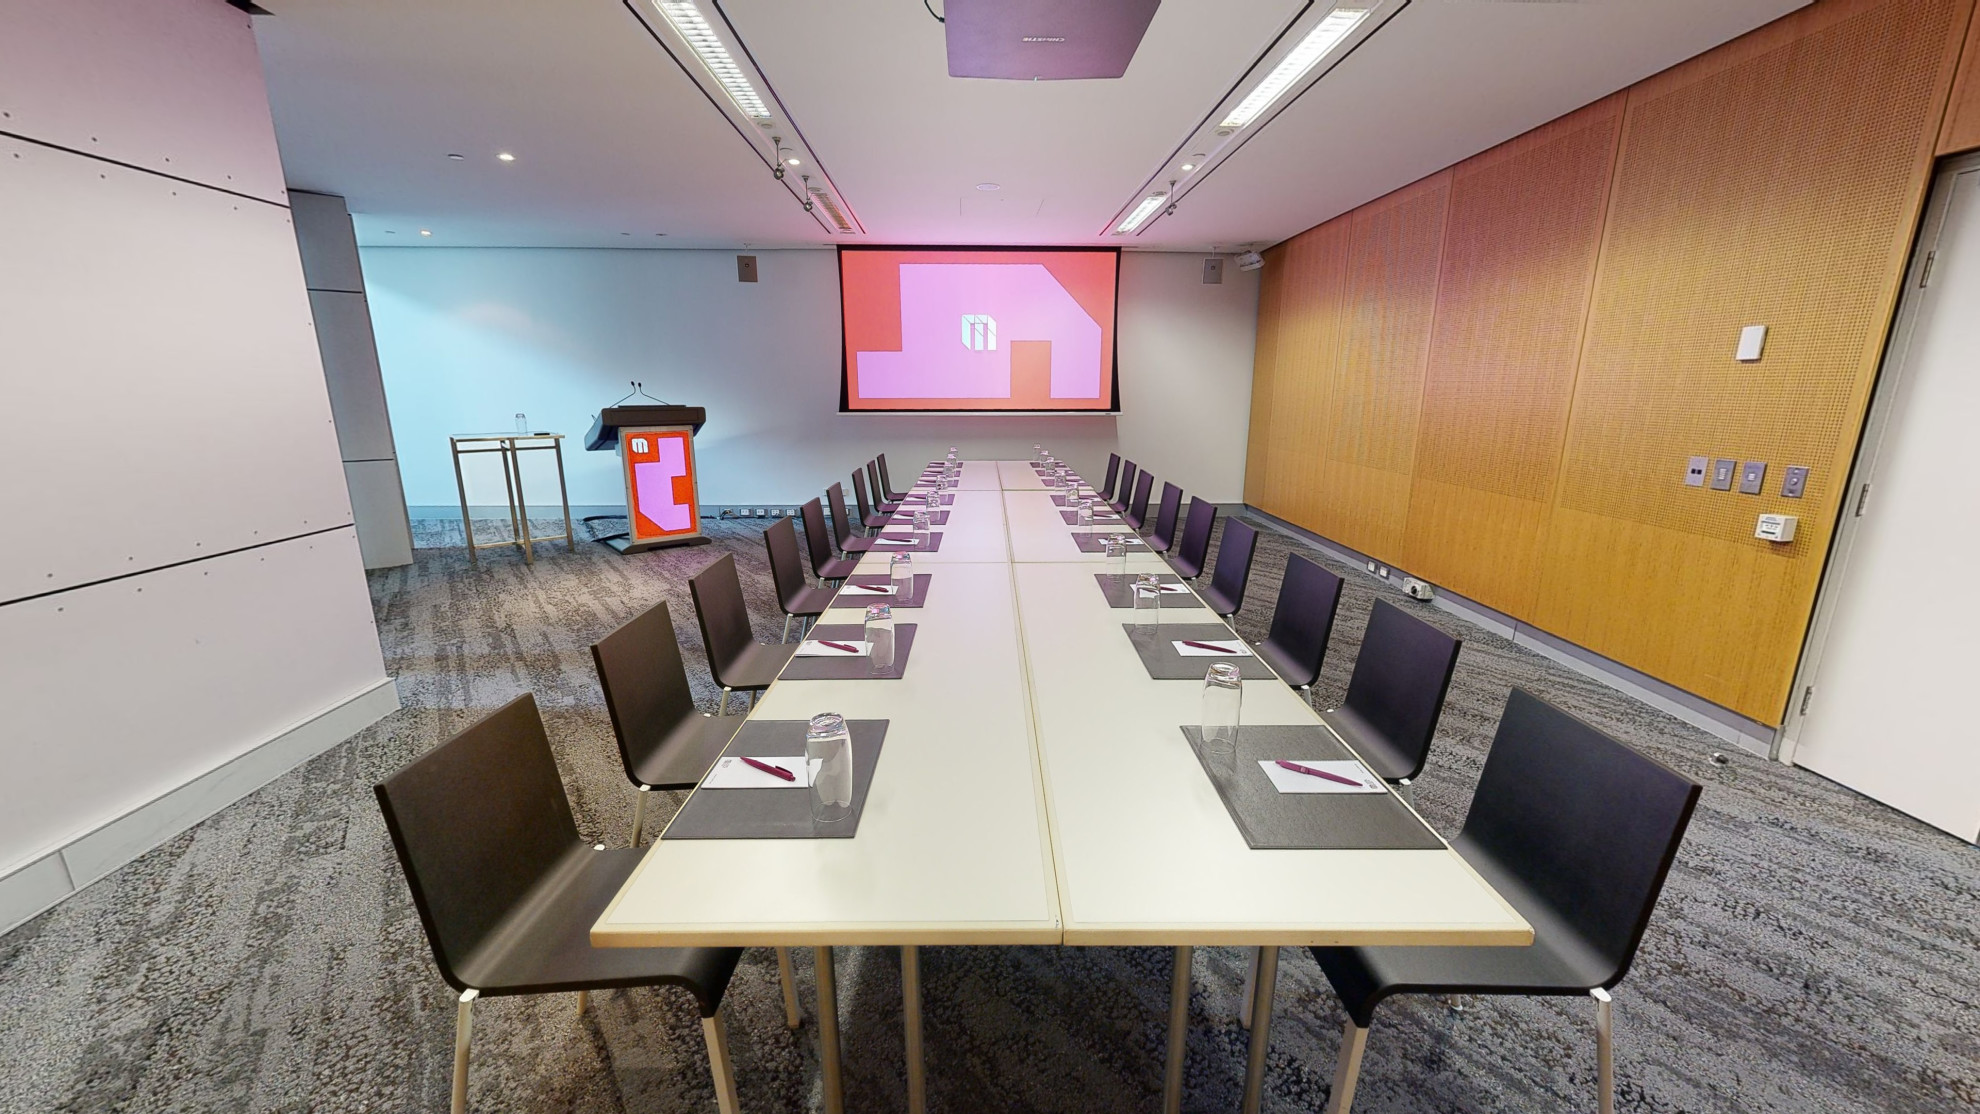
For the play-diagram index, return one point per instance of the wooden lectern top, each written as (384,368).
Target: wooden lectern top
(605,431)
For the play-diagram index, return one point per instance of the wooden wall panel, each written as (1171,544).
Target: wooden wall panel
(1524,231)
(1775,181)
(1962,127)
(1259,488)
(1312,272)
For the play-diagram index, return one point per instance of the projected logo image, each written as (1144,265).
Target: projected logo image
(662,484)
(1024,338)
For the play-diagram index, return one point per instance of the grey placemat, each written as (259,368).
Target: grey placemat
(933,543)
(905,516)
(916,598)
(1094,543)
(777,813)
(1164,664)
(1119,590)
(1268,818)
(1108,518)
(848,668)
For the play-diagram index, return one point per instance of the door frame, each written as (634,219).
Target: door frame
(1893,373)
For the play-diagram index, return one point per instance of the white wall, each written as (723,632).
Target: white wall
(469,337)
(184,588)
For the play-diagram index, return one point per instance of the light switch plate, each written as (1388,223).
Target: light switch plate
(1723,473)
(1752,475)
(1694,472)
(1752,341)
(1795,483)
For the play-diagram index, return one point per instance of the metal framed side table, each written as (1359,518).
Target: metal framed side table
(510,447)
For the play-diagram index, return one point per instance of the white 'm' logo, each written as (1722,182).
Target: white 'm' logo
(979,332)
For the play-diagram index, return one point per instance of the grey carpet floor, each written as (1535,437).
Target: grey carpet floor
(1814,951)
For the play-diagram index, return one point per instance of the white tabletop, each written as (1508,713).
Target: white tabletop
(1036,788)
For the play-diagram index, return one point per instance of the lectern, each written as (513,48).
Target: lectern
(656,459)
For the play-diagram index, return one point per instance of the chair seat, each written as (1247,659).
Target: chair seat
(887,507)
(1185,568)
(1217,601)
(876,521)
(1373,747)
(1292,672)
(836,568)
(1558,962)
(758,665)
(544,944)
(811,601)
(856,545)
(1158,544)
(689,749)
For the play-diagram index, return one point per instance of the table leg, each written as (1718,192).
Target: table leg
(522,504)
(1172,1080)
(917,1074)
(467,524)
(828,1030)
(1261,1028)
(564,493)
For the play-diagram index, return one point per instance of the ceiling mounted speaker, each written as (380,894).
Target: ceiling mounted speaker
(1044,40)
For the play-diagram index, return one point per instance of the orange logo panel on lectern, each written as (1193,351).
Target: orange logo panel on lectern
(660,483)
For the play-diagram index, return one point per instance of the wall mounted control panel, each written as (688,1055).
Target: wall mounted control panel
(1723,472)
(1694,472)
(1795,482)
(1778,528)
(1752,475)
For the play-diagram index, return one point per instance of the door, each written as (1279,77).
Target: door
(1894,656)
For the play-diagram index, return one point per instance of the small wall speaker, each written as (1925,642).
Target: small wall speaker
(745,268)
(1213,270)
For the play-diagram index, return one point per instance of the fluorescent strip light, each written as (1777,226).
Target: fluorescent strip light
(1338,24)
(1142,212)
(692,26)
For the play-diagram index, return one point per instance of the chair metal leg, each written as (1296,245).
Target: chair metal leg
(716,1035)
(1172,1078)
(722,709)
(584,1000)
(1250,986)
(1406,789)
(1261,1028)
(917,1071)
(1354,1039)
(463,1026)
(791,1017)
(828,1031)
(639,815)
(1605,1050)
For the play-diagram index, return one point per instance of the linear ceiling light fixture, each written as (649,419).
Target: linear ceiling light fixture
(1142,212)
(1319,42)
(693,27)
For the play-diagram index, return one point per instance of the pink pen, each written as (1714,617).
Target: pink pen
(1299,769)
(839,646)
(769,769)
(1219,649)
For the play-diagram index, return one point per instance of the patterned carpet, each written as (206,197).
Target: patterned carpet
(1814,951)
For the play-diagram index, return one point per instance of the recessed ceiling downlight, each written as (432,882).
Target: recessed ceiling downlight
(506,157)
(988,187)
(1318,43)
(700,36)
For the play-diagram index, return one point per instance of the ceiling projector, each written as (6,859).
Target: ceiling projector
(1044,40)
(1250,261)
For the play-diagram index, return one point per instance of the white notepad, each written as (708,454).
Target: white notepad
(734,773)
(1292,781)
(1236,644)
(820,650)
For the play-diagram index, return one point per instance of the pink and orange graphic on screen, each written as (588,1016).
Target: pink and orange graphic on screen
(1005,334)
(660,479)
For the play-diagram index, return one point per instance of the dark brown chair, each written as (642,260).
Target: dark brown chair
(507,891)
(1401,674)
(869,519)
(1577,832)
(1120,500)
(1137,508)
(1113,470)
(738,661)
(1302,622)
(1194,548)
(1225,593)
(886,489)
(881,504)
(842,527)
(1165,519)
(798,599)
(818,543)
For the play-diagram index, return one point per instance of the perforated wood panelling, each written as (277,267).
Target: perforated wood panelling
(1259,487)
(1309,353)
(1962,128)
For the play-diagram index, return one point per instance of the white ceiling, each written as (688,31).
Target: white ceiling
(614,143)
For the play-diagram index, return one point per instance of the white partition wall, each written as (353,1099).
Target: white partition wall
(183,613)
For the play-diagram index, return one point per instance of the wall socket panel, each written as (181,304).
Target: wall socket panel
(1795,483)
(1723,474)
(1694,472)
(1752,476)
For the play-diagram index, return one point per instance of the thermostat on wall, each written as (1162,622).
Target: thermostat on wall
(1776,528)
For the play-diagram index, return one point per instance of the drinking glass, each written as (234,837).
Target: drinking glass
(1038,452)
(1052,479)
(900,571)
(1086,515)
(921,522)
(522,423)
(828,759)
(1060,478)
(1116,550)
(880,638)
(1223,696)
(1147,601)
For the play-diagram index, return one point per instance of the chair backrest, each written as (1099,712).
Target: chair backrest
(1127,482)
(1197,524)
(859,493)
(1165,516)
(886,481)
(724,617)
(1233,569)
(786,568)
(1587,825)
(1113,470)
(815,542)
(645,683)
(478,821)
(1400,677)
(873,484)
(841,524)
(1303,619)
(1138,509)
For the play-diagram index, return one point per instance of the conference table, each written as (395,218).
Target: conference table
(1035,787)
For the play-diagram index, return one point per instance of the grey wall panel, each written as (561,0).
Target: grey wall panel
(168,85)
(163,387)
(328,242)
(379,504)
(350,371)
